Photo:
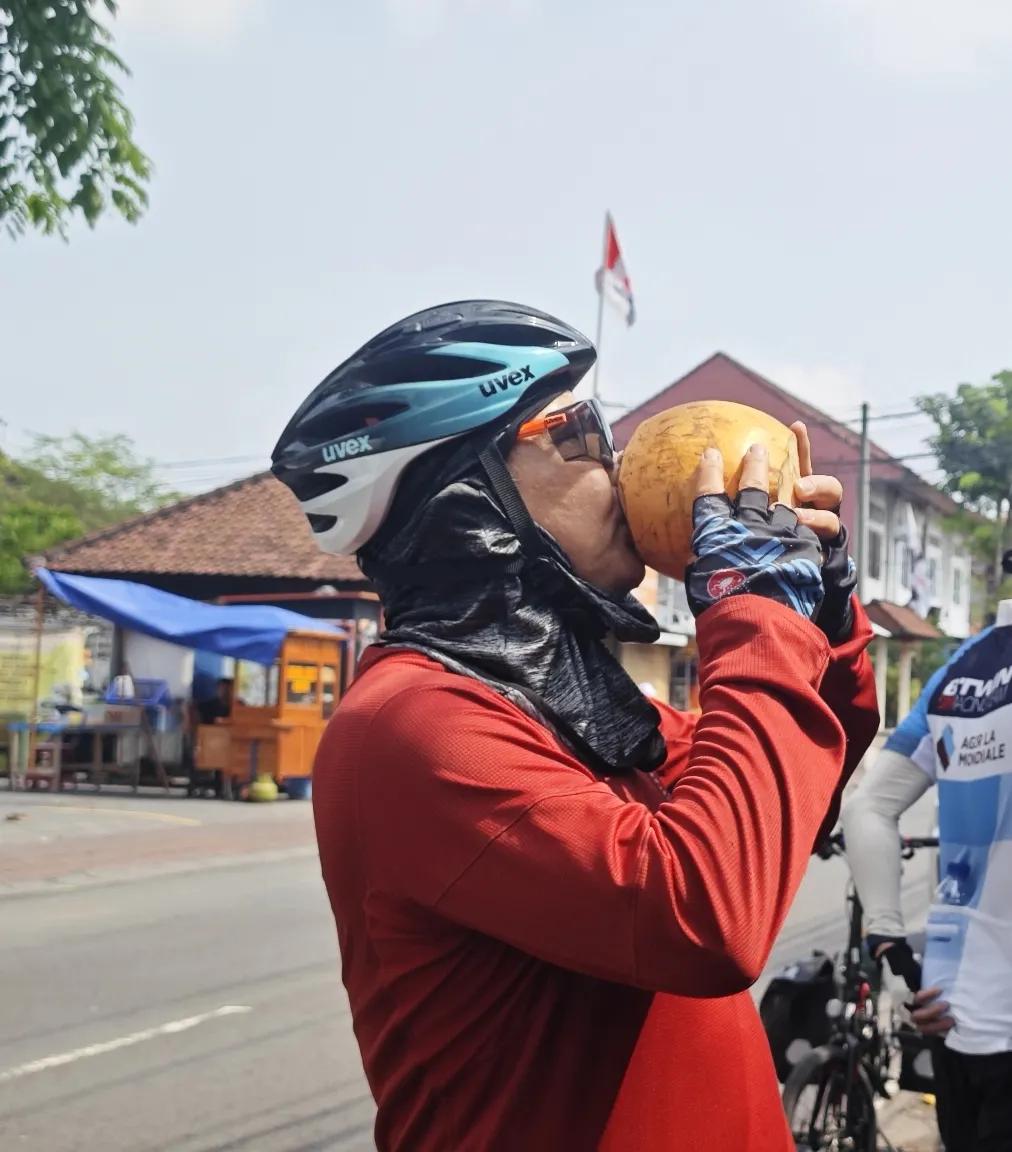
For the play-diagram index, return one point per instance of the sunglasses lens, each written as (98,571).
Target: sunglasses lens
(585,434)
(604,430)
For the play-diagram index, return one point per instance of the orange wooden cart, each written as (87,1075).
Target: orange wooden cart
(279,712)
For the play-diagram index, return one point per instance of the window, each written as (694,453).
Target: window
(957,586)
(874,555)
(933,575)
(904,565)
(876,512)
(684,690)
(672,608)
(328,686)
(300,683)
(255,685)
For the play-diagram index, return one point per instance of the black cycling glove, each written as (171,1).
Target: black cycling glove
(839,577)
(900,958)
(746,546)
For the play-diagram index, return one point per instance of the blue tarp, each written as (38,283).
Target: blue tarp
(246,631)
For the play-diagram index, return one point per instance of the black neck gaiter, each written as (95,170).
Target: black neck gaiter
(455,584)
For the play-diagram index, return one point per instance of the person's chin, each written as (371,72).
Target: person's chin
(630,569)
(630,576)
(639,572)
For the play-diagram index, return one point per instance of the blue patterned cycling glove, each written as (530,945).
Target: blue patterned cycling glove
(839,577)
(746,546)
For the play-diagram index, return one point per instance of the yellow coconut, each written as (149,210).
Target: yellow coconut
(657,477)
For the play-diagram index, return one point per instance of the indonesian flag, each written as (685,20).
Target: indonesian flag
(612,278)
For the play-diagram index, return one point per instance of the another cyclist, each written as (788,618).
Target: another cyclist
(958,736)
(552,894)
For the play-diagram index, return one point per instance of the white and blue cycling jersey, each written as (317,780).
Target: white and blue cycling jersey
(960,734)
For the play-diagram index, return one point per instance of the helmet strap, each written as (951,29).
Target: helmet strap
(503,485)
(532,546)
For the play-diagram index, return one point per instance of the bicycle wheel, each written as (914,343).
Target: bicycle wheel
(827,1111)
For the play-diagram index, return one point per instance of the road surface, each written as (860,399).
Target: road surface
(203,1012)
(190,1013)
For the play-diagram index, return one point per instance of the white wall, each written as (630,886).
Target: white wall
(955,605)
(147,657)
(888,519)
(876,584)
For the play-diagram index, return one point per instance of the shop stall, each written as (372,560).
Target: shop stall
(287,673)
(277,716)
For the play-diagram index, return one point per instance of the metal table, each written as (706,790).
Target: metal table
(53,734)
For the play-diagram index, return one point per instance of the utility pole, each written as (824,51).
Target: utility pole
(863,505)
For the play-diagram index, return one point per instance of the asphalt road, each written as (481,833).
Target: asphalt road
(818,915)
(203,1012)
(191,1013)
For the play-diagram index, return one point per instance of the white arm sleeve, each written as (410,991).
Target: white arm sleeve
(870,820)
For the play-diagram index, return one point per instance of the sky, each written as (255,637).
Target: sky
(819,188)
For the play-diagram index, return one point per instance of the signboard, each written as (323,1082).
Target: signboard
(300,687)
(61,668)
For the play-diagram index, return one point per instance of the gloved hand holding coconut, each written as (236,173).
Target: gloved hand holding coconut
(722,510)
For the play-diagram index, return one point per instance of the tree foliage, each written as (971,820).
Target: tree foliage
(104,473)
(66,136)
(973,443)
(973,440)
(65,488)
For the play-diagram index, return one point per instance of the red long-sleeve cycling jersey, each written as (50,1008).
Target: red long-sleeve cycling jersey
(537,958)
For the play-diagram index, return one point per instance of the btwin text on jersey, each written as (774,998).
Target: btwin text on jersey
(970,696)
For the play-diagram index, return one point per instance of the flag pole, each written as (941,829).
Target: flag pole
(600,308)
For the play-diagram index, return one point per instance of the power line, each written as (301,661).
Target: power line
(892,416)
(886,460)
(217,479)
(843,415)
(208,462)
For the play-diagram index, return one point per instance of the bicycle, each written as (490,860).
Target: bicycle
(830,1094)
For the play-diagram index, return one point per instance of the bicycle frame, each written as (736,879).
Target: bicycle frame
(857,1027)
(857,1045)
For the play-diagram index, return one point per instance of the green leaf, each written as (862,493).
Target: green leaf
(61,109)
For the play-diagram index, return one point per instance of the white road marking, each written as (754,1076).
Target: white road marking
(169,1029)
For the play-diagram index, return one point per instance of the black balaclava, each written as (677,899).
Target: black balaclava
(458,585)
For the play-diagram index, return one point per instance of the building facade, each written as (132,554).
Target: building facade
(901,527)
(909,547)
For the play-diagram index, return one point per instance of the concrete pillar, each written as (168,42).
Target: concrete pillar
(903,692)
(881,667)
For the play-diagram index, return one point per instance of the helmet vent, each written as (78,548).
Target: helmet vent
(327,425)
(309,485)
(321,523)
(512,335)
(425,369)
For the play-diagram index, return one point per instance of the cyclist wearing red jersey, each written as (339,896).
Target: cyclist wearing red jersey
(552,894)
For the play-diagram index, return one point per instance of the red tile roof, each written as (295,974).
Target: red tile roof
(252,528)
(901,623)
(835,447)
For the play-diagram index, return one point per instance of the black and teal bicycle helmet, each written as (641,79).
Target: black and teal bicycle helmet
(434,376)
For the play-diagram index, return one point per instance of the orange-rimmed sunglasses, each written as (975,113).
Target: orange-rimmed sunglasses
(579,432)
